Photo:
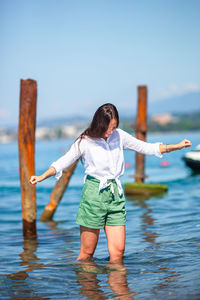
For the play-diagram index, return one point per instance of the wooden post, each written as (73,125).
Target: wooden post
(26,144)
(141,130)
(57,193)
(139,188)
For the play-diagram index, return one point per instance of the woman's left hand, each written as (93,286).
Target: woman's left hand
(184,144)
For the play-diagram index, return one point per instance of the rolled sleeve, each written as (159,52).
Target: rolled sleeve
(58,173)
(157,150)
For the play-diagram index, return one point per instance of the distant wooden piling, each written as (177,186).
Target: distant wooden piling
(57,193)
(139,188)
(26,144)
(141,130)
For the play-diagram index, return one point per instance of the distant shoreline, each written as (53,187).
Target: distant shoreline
(157,123)
(7,139)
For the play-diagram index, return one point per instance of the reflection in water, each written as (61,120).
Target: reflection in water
(147,220)
(87,273)
(87,278)
(118,282)
(147,225)
(31,262)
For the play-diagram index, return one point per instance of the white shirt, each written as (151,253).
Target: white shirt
(104,159)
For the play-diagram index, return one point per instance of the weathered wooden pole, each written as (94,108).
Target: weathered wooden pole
(141,130)
(139,187)
(26,144)
(57,193)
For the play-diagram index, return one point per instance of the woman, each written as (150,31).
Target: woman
(102,202)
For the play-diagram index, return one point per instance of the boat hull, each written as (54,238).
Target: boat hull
(193,164)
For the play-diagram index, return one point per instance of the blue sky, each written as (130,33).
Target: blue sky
(85,53)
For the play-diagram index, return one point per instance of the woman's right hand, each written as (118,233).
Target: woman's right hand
(34,179)
(50,172)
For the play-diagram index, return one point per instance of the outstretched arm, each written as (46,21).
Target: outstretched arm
(168,148)
(50,172)
(62,163)
(131,143)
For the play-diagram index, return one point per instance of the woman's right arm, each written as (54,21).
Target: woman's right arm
(63,162)
(50,172)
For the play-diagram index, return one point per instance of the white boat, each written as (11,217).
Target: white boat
(192,159)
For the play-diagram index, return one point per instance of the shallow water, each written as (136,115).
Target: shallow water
(161,260)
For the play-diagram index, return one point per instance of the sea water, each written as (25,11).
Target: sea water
(162,257)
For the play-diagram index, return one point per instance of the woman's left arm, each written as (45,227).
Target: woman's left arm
(164,148)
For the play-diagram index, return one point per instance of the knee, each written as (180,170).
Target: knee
(117,252)
(85,253)
(88,250)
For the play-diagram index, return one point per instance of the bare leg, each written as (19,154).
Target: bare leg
(116,242)
(89,239)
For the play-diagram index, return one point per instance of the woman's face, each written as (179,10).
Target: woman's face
(111,127)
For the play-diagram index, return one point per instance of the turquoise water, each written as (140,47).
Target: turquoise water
(162,257)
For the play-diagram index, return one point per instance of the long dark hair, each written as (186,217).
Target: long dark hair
(100,122)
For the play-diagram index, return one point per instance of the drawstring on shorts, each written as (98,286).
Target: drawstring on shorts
(111,186)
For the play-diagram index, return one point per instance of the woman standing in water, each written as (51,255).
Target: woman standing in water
(102,202)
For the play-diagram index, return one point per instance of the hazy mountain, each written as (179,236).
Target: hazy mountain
(179,104)
(187,103)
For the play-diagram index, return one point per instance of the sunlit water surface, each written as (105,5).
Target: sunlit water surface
(162,257)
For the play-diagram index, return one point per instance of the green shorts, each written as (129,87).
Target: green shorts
(100,208)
